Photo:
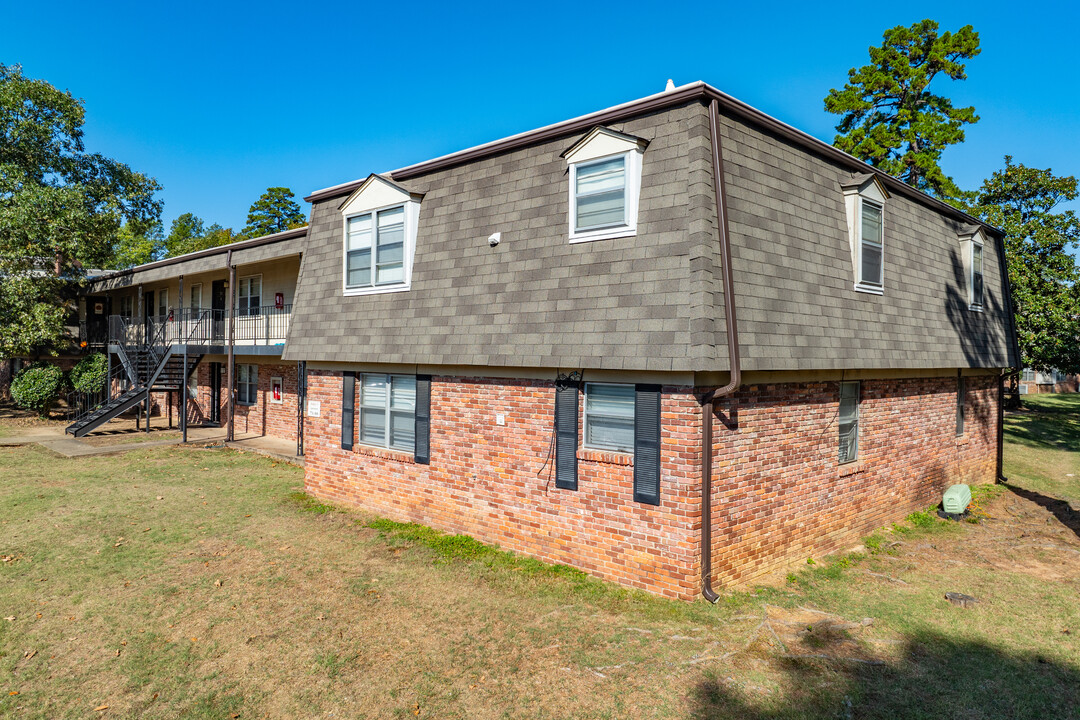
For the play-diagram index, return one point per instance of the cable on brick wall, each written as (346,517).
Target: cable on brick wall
(562,380)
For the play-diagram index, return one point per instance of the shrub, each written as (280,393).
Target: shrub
(37,387)
(91,374)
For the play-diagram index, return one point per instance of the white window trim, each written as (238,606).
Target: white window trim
(358,417)
(163,295)
(860,285)
(585,421)
(255,401)
(239,282)
(858,419)
(632,180)
(412,215)
(199,286)
(375,195)
(976,241)
(858,191)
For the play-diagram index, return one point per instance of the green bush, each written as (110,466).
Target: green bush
(37,387)
(91,374)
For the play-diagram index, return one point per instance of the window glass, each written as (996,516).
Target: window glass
(609,417)
(358,253)
(600,194)
(388,411)
(390,267)
(249,295)
(195,302)
(247,384)
(871,246)
(163,302)
(849,421)
(976,274)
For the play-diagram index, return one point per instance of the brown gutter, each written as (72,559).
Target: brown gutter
(708,403)
(1003,263)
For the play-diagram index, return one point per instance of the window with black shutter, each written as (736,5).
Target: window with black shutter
(348,404)
(647,444)
(566,435)
(422,453)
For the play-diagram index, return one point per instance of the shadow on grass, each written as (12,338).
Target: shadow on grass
(1061,509)
(1047,421)
(937,677)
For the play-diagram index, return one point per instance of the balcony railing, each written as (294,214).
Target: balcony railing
(256,326)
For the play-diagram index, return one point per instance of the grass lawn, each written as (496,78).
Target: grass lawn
(179,582)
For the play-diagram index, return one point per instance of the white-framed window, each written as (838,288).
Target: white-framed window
(375,249)
(379,238)
(849,422)
(127,306)
(871,244)
(865,199)
(388,411)
(605,185)
(195,297)
(1027,375)
(247,384)
(249,295)
(163,302)
(975,283)
(609,417)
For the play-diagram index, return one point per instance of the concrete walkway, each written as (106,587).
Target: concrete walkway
(124,434)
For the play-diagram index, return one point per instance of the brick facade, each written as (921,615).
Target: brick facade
(263,418)
(779,492)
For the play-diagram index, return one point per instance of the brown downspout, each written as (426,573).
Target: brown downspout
(230,370)
(708,403)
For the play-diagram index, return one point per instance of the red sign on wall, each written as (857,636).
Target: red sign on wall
(279,301)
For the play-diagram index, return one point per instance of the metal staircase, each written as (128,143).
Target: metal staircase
(146,363)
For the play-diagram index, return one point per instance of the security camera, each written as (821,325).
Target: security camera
(494,239)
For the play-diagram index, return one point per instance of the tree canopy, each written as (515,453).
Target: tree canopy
(890,118)
(275,211)
(1023,202)
(189,233)
(61,208)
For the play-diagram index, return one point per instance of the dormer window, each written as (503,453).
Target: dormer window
(976,282)
(972,241)
(380,237)
(864,199)
(605,182)
(870,245)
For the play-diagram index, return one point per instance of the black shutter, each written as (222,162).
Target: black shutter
(422,453)
(647,444)
(348,405)
(566,435)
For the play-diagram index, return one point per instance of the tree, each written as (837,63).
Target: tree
(889,116)
(61,208)
(189,233)
(274,211)
(131,248)
(1043,274)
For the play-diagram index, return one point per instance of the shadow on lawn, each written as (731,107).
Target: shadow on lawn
(1061,509)
(938,677)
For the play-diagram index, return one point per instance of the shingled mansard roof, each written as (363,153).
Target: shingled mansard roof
(266,247)
(653,301)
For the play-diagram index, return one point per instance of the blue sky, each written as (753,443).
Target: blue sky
(220,100)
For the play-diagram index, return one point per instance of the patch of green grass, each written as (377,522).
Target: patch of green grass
(306,503)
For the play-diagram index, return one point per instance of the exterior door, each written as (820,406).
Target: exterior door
(98,309)
(215,393)
(217,306)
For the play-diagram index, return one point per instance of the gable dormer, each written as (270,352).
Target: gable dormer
(379,223)
(865,198)
(605,184)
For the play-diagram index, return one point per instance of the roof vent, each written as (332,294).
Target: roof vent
(670,85)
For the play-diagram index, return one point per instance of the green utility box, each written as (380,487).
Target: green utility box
(956,499)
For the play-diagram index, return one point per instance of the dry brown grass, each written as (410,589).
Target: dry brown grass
(191,583)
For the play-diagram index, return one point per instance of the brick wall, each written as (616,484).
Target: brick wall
(263,418)
(779,492)
(780,495)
